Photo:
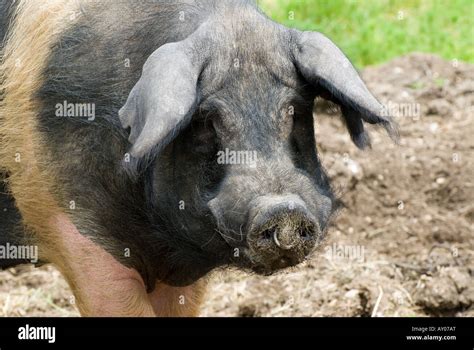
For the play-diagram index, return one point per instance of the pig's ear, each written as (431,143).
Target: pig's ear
(164,99)
(324,66)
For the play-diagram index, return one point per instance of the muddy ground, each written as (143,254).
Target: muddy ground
(404,244)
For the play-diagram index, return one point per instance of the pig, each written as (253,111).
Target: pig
(148,143)
(11,232)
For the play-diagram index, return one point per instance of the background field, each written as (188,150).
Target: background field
(374,31)
(409,207)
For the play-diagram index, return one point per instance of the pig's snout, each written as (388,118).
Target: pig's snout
(281,232)
(273,231)
(287,235)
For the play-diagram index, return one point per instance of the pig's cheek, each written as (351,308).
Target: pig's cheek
(102,286)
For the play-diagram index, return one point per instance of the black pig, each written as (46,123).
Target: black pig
(149,142)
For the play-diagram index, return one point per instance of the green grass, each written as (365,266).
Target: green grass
(374,31)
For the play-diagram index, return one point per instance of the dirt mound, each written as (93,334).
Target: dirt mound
(404,244)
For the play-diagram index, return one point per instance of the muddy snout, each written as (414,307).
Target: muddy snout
(281,232)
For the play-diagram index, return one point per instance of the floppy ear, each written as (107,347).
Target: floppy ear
(164,99)
(324,66)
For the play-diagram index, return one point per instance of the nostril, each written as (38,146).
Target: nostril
(268,234)
(306,233)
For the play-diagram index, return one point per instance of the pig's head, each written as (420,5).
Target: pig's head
(226,116)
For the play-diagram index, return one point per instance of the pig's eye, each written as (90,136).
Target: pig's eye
(204,137)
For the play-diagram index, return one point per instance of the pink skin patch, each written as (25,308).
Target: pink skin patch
(103,286)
